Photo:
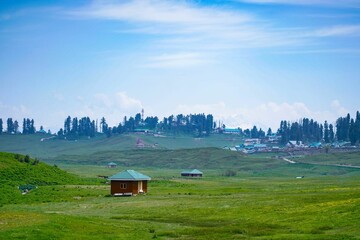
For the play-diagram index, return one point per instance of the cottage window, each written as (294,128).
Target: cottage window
(123,185)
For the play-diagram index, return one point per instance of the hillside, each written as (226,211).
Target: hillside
(43,146)
(15,172)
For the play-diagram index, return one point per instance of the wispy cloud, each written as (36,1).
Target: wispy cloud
(177,60)
(185,27)
(178,19)
(335,31)
(331,3)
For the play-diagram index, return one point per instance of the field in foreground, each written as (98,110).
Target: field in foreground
(214,207)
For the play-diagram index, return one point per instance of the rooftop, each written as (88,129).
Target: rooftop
(194,171)
(130,175)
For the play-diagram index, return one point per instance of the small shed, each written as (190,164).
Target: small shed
(112,165)
(191,173)
(128,183)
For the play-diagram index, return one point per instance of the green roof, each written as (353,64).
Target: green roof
(129,175)
(194,171)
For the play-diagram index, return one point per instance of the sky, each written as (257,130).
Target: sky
(247,62)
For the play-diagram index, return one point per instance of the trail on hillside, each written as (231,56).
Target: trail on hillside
(322,164)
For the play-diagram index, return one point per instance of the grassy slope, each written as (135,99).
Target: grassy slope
(31,144)
(209,208)
(14,173)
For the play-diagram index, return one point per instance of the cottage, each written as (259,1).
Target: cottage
(112,165)
(128,183)
(191,173)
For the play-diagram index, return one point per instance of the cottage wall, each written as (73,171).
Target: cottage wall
(127,187)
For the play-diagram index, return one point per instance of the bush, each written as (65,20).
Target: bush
(229,173)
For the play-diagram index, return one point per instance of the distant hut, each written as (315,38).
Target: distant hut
(112,165)
(128,183)
(191,173)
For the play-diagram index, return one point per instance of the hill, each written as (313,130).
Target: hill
(45,146)
(18,170)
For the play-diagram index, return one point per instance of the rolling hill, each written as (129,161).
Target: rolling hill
(18,170)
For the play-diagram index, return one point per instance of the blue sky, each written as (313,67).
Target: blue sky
(245,61)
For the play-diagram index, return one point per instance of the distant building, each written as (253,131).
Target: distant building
(252,141)
(260,147)
(128,183)
(295,144)
(112,165)
(191,173)
(232,131)
(315,145)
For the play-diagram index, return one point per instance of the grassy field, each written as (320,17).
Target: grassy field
(264,200)
(269,204)
(32,144)
(210,208)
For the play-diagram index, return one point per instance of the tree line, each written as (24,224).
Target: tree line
(196,124)
(306,130)
(28,126)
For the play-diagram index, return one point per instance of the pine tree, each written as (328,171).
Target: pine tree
(331,133)
(1,126)
(67,125)
(352,132)
(326,132)
(10,125)
(16,126)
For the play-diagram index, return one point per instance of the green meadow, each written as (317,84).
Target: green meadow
(264,200)
(239,197)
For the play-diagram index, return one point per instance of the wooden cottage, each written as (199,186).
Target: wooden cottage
(191,173)
(128,183)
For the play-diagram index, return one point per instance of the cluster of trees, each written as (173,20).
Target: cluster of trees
(255,133)
(307,130)
(348,129)
(28,126)
(74,127)
(197,124)
(13,126)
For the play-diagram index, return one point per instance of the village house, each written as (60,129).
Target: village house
(191,173)
(112,165)
(128,183)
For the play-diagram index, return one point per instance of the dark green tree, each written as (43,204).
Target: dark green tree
(1,125)
(331,133)
(10,125)
(67,125)
(326,132)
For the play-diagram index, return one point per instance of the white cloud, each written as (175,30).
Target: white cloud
(15,112)
(185,27)
(123,101)
(334,31)
(208,25)
(265,115)
(334,3)
(176,60)
(338,108)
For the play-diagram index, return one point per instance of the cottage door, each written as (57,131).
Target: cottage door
(140,187)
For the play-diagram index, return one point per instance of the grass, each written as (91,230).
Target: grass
(32,144)
(210,208)
(263,201)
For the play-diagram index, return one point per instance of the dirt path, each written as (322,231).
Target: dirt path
(322,164)
(287,160)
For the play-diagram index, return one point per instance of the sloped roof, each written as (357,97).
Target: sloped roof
(129,175)
(194,171)
(112,163)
